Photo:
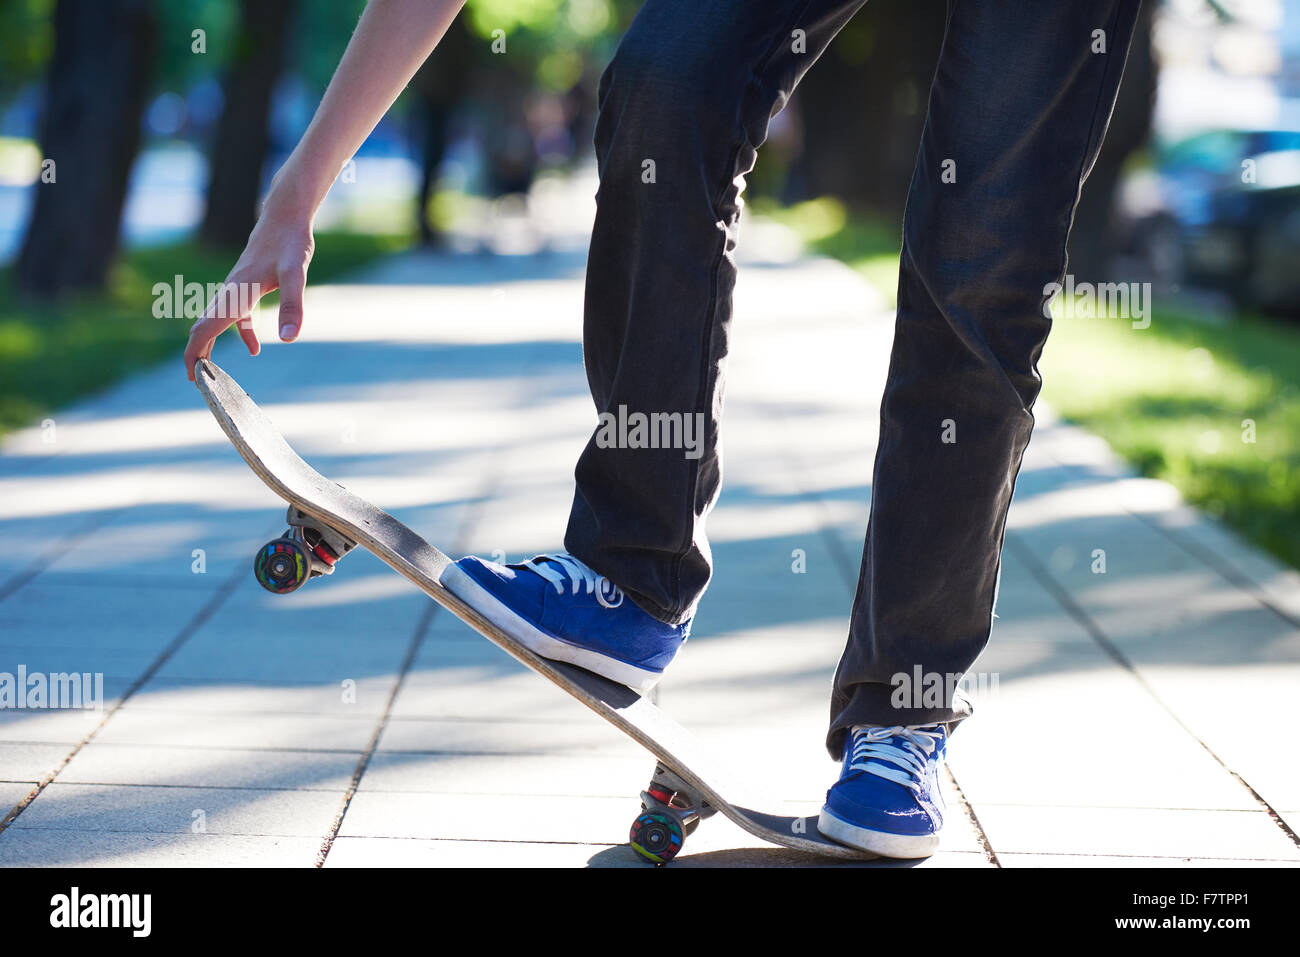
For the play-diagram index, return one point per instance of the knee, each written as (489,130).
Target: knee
(664,84)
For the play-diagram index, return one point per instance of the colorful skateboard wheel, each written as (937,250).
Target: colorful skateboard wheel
(282,566)
(656,835)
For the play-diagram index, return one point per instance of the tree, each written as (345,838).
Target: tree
(243,132)
(90,133)
(865,155)
(439,85)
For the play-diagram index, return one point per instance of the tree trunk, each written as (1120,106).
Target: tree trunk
(439,85)
(243,132)
(882,62)
(90,130)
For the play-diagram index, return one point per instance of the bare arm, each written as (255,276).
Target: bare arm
(392,39)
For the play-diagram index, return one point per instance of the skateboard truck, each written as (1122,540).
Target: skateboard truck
(670,810)
(308,548)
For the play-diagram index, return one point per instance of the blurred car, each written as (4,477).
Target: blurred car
(1222,210)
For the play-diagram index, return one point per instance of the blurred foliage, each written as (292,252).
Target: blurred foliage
(51,355)
(178,66)
(551,44)
(26,42)
(320,33)
(1172,398)
(868,245)
(548,40)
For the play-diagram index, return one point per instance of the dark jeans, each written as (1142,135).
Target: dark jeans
(1017,110)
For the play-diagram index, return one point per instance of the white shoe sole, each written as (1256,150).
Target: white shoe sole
(456,581)
(902,846)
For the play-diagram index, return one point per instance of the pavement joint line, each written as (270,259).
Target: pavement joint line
(470,519)
(1086,621)
(1223,567)
(118,581)
(209,608)
(844,562)
(60,548)
(138,709)
(556,795)
(184,833)
(193,787)
(1217,563)
(986,846)
(195,747)
(471,840)
(363,762)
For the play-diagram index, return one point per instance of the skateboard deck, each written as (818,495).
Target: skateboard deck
(326,520)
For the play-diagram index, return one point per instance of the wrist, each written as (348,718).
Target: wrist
(297,189)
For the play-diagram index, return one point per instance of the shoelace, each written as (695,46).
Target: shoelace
(875,748)
(607,593)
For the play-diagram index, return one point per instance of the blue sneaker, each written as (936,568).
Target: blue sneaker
(888,798)
(559,608)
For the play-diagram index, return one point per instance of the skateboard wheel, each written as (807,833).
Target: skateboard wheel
(282,566)
(656,835)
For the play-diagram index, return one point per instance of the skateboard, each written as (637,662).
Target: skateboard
(326,521)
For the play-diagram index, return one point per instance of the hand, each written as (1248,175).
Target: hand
(279,250)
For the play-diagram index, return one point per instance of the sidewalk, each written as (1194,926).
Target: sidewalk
(1140,716)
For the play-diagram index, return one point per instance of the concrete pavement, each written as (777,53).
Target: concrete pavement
(1138,718)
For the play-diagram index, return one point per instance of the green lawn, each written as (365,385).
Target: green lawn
(53,355)
(869,246)
(1177,399)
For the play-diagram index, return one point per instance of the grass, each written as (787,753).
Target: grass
(51,355)
(869,246)
(1211,406)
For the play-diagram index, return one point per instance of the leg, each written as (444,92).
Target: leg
(683,109)
(1019,104)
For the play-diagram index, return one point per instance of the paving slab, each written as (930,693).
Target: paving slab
(150,809)
(62,726)
(154,727)
(29,763)
(1141,832)
(1113,733)
(123,764)
(80,848)
(360,697)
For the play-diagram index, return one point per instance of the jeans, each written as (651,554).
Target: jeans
(1019,104)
